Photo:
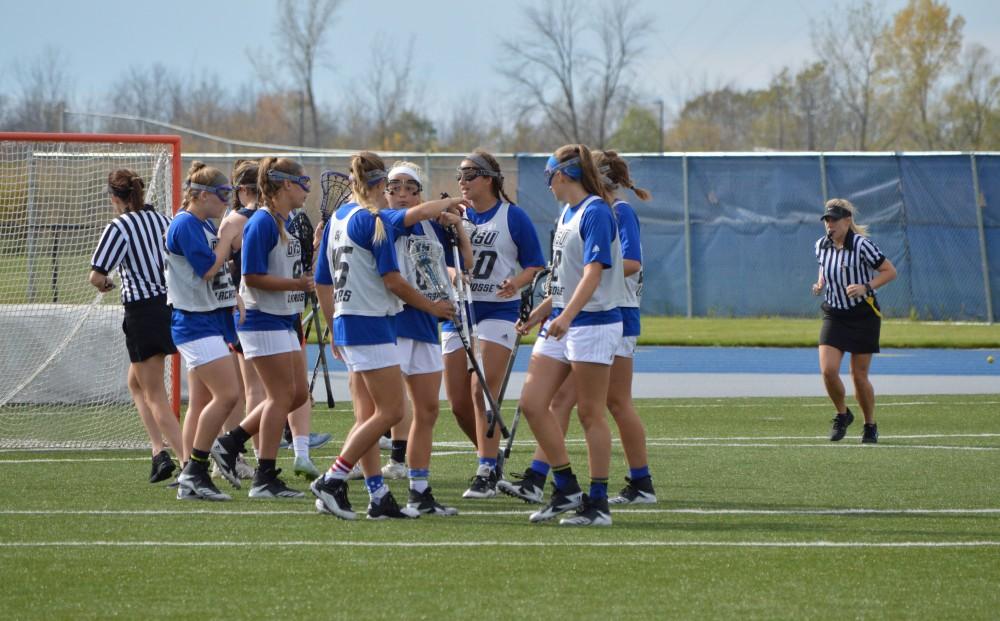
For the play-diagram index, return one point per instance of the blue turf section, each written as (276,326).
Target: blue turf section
(771,360)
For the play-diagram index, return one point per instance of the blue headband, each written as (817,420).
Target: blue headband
(372,177)
(570,168)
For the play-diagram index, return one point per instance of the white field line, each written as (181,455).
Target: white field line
(625,511)
(828,445)
(736,406)
(501,544)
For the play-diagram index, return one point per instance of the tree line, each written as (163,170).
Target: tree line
(875,82)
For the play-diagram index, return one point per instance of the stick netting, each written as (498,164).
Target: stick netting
(63,367)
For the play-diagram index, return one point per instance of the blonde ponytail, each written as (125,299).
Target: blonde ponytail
(367,173)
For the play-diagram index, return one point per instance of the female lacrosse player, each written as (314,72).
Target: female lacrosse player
(851,268)
(201,291)
(582,334)
(639,488)
(360,292)
(246,197)
(419,243)
(133,243)
(506,255)
(274,288)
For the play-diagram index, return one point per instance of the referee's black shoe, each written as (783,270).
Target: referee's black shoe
(840,424)
(870,434)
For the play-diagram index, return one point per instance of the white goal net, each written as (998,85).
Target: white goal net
(63,367)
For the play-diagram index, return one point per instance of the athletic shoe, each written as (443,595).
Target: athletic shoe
(305,468)
(483,485)
(530,487)
(356,473)
(591,513)
(243,469)
(636,492)
(387,508)
(394,470)
(197,485)
(424,503)
(840,424)
(870,434)
(331,497)
(224,451)
(270,487)
(559,502)
(384,443)
(318,440)
(163,466)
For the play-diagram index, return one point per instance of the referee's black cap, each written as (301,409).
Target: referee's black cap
(835,212)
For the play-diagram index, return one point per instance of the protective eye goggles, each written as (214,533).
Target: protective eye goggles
(470,174)
(570,168)
(300,180)
(397,186)
(223,192)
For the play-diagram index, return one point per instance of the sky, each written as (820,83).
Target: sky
(708,43)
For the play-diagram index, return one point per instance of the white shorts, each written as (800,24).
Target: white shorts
(419,357)
(369,357)
(268,342)
(626,349)
(202,351)
(596,344)
(496,331)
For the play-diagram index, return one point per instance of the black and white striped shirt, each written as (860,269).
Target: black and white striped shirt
(854,264)
(133,243)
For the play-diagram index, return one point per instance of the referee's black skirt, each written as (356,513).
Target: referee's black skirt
(147,329)
(855,330)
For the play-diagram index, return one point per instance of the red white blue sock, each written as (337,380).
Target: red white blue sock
(340,469)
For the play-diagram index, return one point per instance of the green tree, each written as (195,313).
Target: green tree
(638,132)
(922,43)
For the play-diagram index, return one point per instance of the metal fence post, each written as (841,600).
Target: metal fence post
(687,238)
(979,203)
(822,177)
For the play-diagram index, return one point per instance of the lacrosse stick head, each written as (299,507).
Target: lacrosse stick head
(303,230)
(427,258)
(336,188)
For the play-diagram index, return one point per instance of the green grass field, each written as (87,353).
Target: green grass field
(759,516)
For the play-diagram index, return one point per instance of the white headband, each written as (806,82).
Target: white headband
(405,170)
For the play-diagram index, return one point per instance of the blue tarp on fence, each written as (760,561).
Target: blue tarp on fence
(752,221)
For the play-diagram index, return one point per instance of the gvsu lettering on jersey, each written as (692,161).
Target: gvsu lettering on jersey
(484,238)
(342,295)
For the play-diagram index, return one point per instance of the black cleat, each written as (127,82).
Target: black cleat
(530,487)
(269,486)
(591,513)
(870,434)
(637,492)
(331,497)
(163,467)
(559,502)
(195,484)
(425,504)
(840,424)
(483,484)
(224,451)
(387,508)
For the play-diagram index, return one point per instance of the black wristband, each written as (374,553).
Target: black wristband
(868,290)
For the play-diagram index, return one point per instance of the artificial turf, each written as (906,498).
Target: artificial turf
(759,516)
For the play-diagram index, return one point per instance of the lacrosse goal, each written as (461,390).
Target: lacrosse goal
(63,364)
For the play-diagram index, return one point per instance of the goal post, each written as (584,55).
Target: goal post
(63,367)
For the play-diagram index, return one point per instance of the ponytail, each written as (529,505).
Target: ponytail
(590,178)
(367,173)
(201,174)
(244,175)
(615,173)
(127,187)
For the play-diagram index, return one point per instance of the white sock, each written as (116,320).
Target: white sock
(300,444)
(379,493)
(256,453)
(419,485)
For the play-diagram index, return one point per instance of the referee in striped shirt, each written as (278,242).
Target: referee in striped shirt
(133,243)
(851,268)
